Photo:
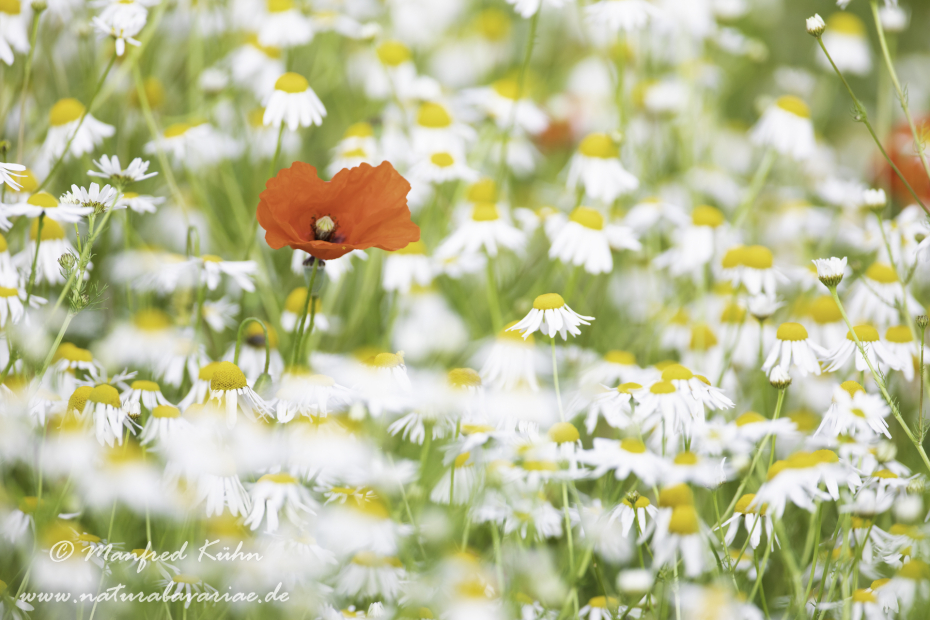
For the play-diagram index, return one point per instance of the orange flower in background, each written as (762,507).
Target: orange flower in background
(902,151)
(363,207)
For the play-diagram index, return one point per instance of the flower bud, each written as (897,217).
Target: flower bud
(635,581)
(922,321)
(885,451)
(779,378)
(67,261)
(830,270)
(874,199)
(39,5)
(815,26)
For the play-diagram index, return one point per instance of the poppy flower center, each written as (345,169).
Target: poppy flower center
(324,228)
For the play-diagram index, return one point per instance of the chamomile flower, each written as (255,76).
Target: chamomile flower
(358,146)
(786,127)
(293,103)
(65,121)
(585,240)
(753,518)
(506,105)
(187,587)
(460,489)
(121,20)
(551,315)
(793,347)
(485,229)
(307,394)
(274,493)
(679,532)
(214,267)
(229,386)
(195,144)
(751,266)
(282,24)
(529,8)
(66,211)
(511,361)
(442,166)
(596,169)
(164,425)
(625,457)
(139,203)
(406,267)
(95,198)
(14,36)
(899,341)
(846,39)
(111,418)
(13,302)
(111,169)
(613,404)
(855,413)
(148,393)
(797,479)
(875,297)
(53,244)
(695,245)
(875,349)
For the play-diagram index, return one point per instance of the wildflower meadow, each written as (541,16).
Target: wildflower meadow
(464,309)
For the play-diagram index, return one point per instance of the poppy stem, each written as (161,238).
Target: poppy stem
(299,328)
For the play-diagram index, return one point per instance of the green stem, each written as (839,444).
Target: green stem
(521,82)
(35,259)
(555,380)
(568,527)
(758,181)
(299,327)
(497,322)
(26,76)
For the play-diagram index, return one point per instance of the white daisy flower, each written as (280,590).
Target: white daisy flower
(793,347)
(551,315)
(14,35)
(899,341)
(65,122)
(121,20)
(148,393)
(876,296)
(281,25)
(185,587)
(503,102)
(441,167)
(678,532)
(66,211)
(138,203)
(585,240)
(307,394)
(94,198)
(109,415)
(111,170)
(406,267)
(855,413)
(846,39)
(240,271)
(786,127)
(831,270)
(274,493)
(511,361)
(358,146)
(484,229)
(53,244)
(625,457)
(230,387)
(164,425)
(529,8)
(596,168)
(797,478)
(12,302)
(879,354)
(293,103)
(754,519)
(751,266)
(194,145)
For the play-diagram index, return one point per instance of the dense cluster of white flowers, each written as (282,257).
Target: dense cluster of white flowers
(656,351)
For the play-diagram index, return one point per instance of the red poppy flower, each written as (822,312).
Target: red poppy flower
(903,153)
(367,206)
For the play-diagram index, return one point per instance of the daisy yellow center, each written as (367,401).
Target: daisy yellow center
(603,602)
(28,181)
(899,334)
(206,372)
(564,432)
(676,495)
(145,386)
(859,413)
(824,310)
(686,458)
(743,504)
(587,217)
(359,130)
(852,387)
(805,421)
(292,82)
(3,246)
(104,394)
(633,445)
(359,152)
(493,24)
(882,273)
(415,247)
(684,521)
(387,360)
(549,301)
(662,387)
(915,570)
(464,378)
(599,145)
(628,388)
(884,474)
(865,333)
(8,292)
(227,376)
(750,417)
(79,398)
(733,258)
(846,23)
(515,336)
(43,199)
(188,579)
(65,111)
(279,478)
(506,88)
(177,129)
(51,230)
(296,299)
(702,337)
(471,429)
(485,212)
(624,358)
(791,331)
(757,257)
(484,190)
(279,6)
(676,372)
(462,459)
(733,313)
(165,411)
(152,320)
(442,160)
(535,465)
(433,116)
(704,215)
(794,105)
(10,7)
(72,353)
(393,53)
(863,596)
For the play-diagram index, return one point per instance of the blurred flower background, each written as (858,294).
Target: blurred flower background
(464,309)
